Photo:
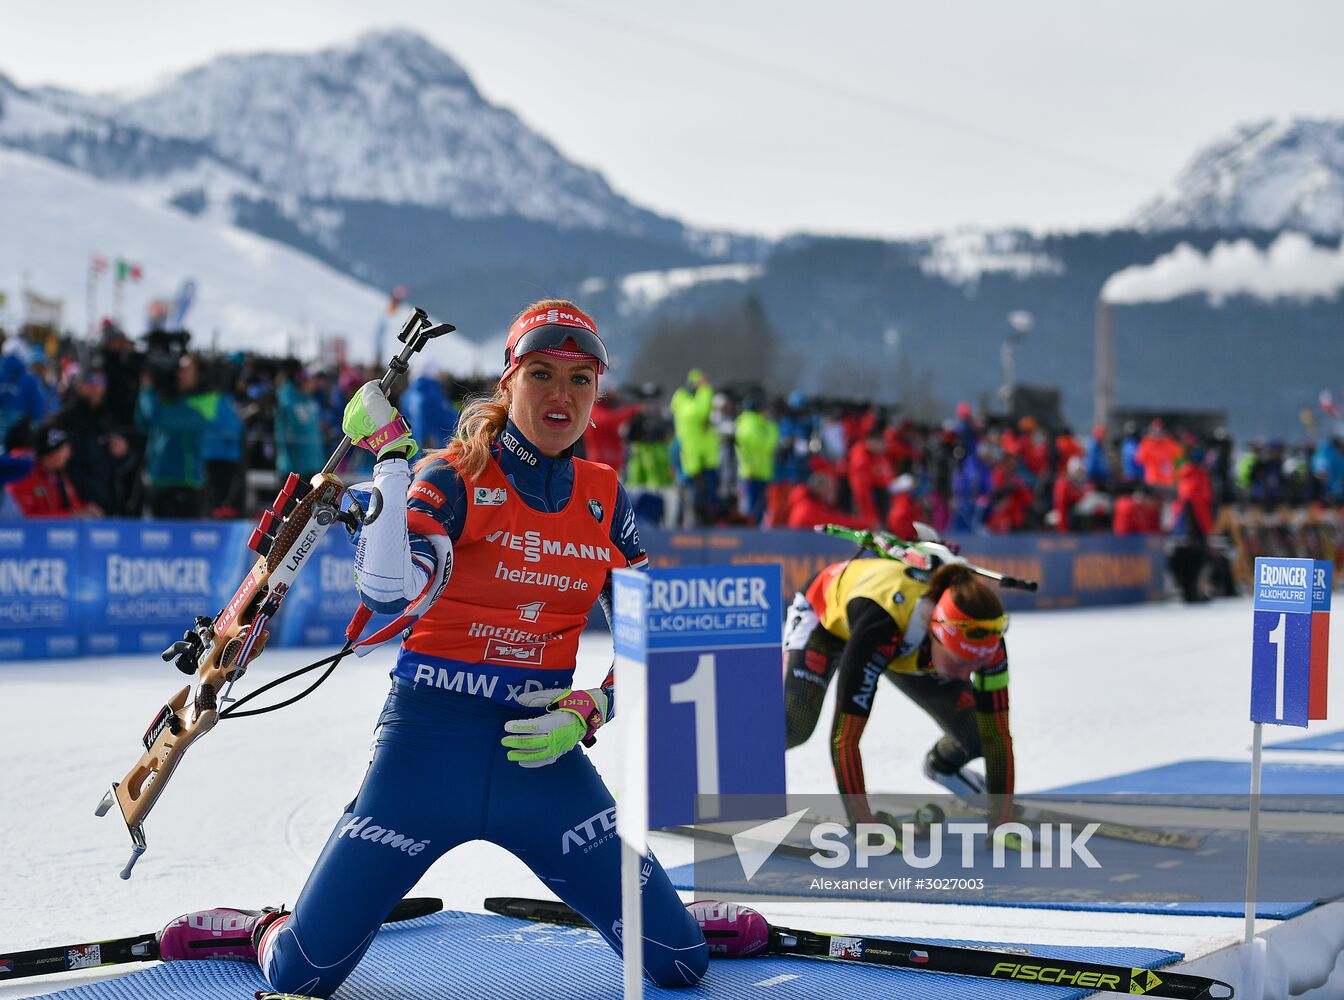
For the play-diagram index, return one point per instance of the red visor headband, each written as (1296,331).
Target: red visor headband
(966,636)
(550,331)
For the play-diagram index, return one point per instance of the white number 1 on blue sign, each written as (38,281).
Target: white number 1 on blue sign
(698,690)
(1276,637)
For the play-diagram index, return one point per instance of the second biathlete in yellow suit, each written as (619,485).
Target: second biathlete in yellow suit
(939,640)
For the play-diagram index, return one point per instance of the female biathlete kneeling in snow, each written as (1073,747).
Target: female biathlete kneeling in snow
(499,547)
(938,639)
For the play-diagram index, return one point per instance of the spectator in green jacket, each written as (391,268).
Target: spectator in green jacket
(649,477)
(757,437)
(698,442)
(171,411)
(299,442)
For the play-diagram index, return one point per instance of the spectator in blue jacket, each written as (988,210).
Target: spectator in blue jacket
(1130,468)
(426,407)
(1096,463)
(21,396)
(1327,465)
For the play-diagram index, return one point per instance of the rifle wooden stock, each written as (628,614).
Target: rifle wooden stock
(187,717)
(238,633)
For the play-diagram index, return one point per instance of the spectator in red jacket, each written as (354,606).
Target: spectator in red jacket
(47,490)
(1010,498)
(815,502)
(1033,450)
(1192,525)
(870,476)
(603,442)
(1194,495)
(1158,453)
(1136,513)
(1066,447)
(906,508)
(1070,487)
(903,446)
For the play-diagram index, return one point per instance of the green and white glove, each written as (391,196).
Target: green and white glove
(572,717)
(372,422)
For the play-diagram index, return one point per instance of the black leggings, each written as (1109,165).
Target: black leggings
(951,704)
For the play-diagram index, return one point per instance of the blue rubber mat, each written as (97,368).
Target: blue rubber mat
(1296,870)
(1320,741)
(1222,784)
(468,956)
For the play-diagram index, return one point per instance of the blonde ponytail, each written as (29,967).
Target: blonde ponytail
(479,424)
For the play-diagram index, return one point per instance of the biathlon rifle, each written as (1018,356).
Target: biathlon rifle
(923,556)
(218,651)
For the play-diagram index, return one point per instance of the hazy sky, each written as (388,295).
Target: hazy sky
(887,118)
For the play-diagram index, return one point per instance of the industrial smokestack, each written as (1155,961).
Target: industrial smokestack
(1103,379)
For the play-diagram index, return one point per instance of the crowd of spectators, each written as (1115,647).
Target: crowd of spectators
(152,429)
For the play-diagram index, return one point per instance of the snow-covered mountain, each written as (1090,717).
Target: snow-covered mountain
(252,293)
(1272,175)
(362,155)
(388,118)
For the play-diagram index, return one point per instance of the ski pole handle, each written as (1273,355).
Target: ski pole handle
(415,334)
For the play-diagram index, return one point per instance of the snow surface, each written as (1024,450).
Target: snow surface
(251,292)
(1095,692)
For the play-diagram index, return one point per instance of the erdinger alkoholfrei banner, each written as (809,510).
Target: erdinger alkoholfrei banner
(705,642)
(143,583)
(104,587)
(39,579)
(70,588)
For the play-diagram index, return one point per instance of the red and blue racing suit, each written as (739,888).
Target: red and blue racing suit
(532,542)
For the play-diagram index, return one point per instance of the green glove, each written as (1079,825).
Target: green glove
(372,422)
(571,717)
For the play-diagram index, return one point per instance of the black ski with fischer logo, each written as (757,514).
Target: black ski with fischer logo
(1020,965)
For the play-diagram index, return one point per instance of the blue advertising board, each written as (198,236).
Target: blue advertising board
(1072,570)
(39,581)
(709,640)
(1289,640)
(135,586)
(145,582)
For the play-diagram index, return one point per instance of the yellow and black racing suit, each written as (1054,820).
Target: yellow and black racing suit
(864,619)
